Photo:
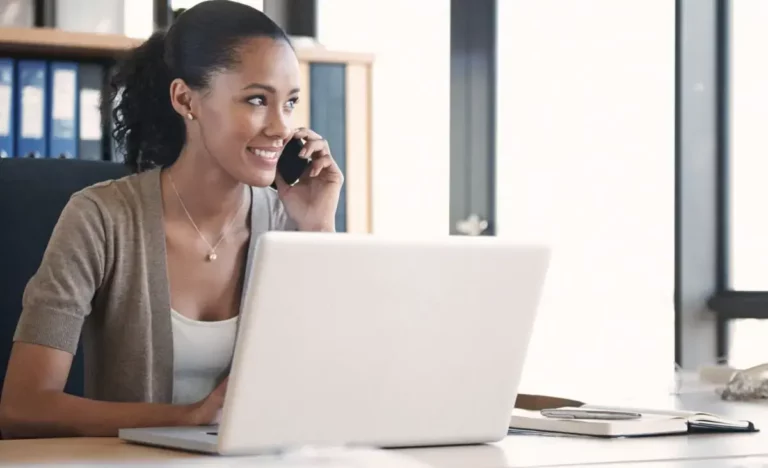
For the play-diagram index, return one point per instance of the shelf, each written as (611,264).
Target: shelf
(320,54)
(55,42)
(59,43)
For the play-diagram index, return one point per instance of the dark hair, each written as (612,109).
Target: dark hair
(201,41)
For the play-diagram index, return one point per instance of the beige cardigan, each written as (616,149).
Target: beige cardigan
(104,272)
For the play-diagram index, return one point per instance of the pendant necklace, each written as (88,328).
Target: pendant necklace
(211,256)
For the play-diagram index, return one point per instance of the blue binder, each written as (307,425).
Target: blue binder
(62,110)
(7,117)
(30,100)
(90,124)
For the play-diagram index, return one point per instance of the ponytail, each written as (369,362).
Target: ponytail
(145,126)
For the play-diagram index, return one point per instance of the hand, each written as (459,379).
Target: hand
(312,201)
(206,412)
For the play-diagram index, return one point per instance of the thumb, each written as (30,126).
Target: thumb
(222,387)
(218,393)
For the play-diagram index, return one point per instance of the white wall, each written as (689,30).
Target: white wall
(411,104)
(586,162)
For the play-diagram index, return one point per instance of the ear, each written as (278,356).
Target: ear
(181,98)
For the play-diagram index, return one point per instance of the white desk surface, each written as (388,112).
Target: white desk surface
(738,462)
(682,451)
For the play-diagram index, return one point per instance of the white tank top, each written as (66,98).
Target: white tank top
(202,353)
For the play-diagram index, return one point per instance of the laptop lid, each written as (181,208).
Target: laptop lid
(352,339)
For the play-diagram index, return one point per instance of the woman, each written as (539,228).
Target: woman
(152,267)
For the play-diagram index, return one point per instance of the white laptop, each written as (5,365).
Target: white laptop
(368,341)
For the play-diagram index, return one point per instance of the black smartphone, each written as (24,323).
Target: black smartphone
(290,166)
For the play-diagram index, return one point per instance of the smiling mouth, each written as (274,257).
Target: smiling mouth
(264,154)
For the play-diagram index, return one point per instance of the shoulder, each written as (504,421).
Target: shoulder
(114,199)
(266,197)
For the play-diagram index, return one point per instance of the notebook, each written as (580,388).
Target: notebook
(652,422)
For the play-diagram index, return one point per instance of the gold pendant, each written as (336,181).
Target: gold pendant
(211,256)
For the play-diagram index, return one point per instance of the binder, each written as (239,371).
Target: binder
(7,117)
(31,124)
(90,144)
(62,110)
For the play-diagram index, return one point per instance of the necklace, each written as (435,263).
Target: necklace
(212,252)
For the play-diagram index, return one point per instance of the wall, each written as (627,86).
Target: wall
(586,163)
(411,104)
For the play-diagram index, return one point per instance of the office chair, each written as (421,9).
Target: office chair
(33,193)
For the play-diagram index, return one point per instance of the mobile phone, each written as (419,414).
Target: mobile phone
(290,166)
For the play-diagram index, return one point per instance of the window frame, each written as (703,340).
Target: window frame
(701,176)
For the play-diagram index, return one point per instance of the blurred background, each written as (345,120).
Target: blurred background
(628,134)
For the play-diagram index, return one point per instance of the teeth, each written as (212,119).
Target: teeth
(263,154)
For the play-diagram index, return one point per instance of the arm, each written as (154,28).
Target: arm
(56,302)
(34,404)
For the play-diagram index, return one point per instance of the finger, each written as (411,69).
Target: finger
(222,386)
(314,149)
(215,399)
(319,164)
(306,133)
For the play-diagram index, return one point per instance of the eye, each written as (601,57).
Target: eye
(259,100)
(291,104)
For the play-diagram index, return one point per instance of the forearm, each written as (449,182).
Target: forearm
(57,414)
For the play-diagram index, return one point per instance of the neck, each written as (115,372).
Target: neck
(206,190)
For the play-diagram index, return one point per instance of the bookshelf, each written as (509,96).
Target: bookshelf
(56,42)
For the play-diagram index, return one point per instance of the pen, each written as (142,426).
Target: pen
(589,414)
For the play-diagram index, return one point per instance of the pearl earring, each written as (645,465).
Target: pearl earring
(190,116)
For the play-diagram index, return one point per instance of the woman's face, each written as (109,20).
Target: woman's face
(245,117)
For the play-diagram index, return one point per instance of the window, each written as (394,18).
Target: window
(585,162)
(748,146)
(746,179)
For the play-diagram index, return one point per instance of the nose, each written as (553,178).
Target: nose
(278,125)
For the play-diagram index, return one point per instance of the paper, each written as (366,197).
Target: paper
(32,112)
(90,116)
(5,110)
(64,90)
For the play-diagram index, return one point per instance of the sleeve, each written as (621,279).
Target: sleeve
(58,297)
(280,219)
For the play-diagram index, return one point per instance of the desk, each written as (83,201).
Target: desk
(513,452)
(738,462)
(541,451)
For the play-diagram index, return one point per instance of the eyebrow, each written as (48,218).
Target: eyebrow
(271,89)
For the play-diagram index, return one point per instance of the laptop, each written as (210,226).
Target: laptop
(361,340)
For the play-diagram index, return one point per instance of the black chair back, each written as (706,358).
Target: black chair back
(33,193)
